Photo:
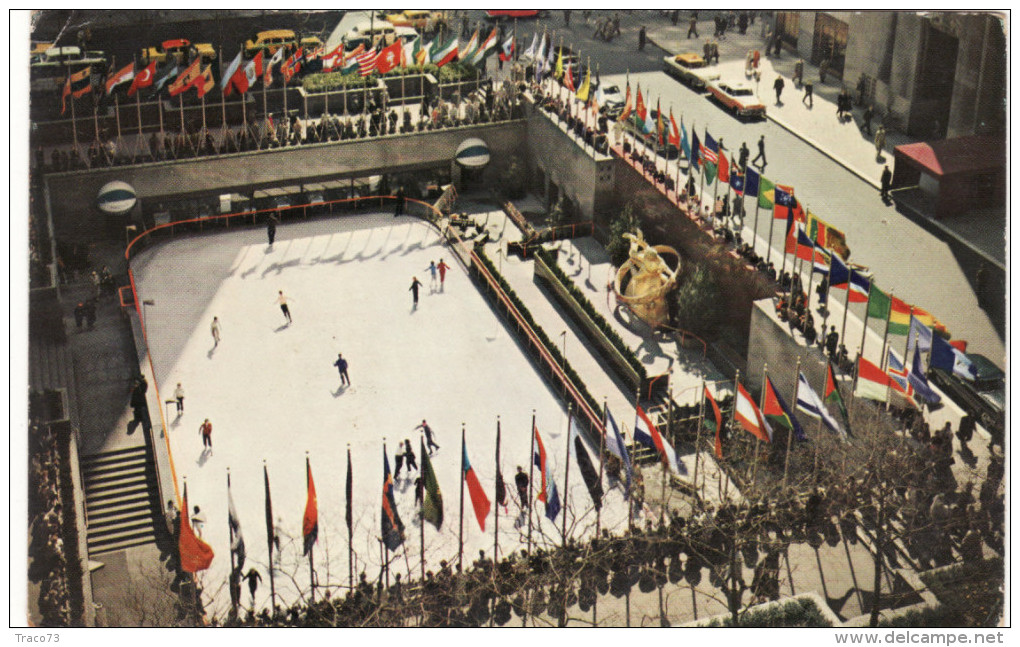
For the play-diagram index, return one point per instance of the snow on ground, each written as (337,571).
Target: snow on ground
(273,397)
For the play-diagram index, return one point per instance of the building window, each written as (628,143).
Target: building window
(788,27)
(830,43)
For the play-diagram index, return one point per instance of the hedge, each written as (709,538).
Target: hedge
(539,332)
(801,612)
(326,81)
(589,309)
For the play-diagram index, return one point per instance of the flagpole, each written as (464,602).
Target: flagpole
(460,531)
(566,473)
(269,536)
(679,152)
(499,476)
(846,305)
(602,462)
(789,435)
(74,123)
(757,439)
(531,478)
(116,112)
(230,580)
(665,462)
(630,499)
(311,547)
(385,572)
(697,434)
(864,330)
(824,403)
(350,525)
(421,512)
(885,335)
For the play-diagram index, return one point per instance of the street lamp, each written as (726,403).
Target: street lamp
(564,354)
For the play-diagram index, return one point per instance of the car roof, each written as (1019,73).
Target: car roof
(67,50)
(276,33)
(986,369)
(175,42)
(689,57)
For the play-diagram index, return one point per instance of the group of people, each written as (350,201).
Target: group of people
(48,565)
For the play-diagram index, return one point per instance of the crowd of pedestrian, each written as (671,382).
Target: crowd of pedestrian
(48,566)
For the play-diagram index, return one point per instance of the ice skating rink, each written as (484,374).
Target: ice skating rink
(273,395)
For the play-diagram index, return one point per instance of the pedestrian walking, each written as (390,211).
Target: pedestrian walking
(412,461)
(139,405)
(205,430)
(401,199)
(253,578)
(282,300)
(745,154)
(215,329)
(886,182)
(271,229)
(798,72)
(179,396)
(641,38)
(823,69)
(879,141)
(442,267)
(692,25)
(398,460)
(809,94)
(869,114)
(197,520)
(778,86)
(432,273)
(429,442)
(761,153)
(341,366)
(831,342)
(415,284)
(521,480)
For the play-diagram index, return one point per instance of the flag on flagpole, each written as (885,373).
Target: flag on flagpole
(479,501)
(695,157)
(710,157)
(195,554)
(872,383)
(585,89)
(802,246)
(349,494)
(660,126)
(443,53)
(749,416)
(899,317)
(752,183)
(432,503)
(469,49)
(558,72)
(507,50)
(737,182)
(270,529)
(809,403)
(548,496)
(627,109)
(839,274)
(920,335)
(878,304)
(143,79)
(366,62)
(205,82)
(951,360)
(766,192)
(920,382)
(646,433)
(822,260)
(392,526)
(640,111)
(832,396)
(185,79)
(227,78)
(276,58)
(898,375)
(584,463)
(777,413)
(236,538)
(685,144)
(538,449)
(486,47)
(674,132)
(724,167)
(616,446)
(125,74)
(715,424)
(568,78)
(310,522)
(532,48)
(389,58)
(552,506)
(859,287)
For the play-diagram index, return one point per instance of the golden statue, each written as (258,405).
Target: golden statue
(645,279)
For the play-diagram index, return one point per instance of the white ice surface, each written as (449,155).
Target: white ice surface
(271,392)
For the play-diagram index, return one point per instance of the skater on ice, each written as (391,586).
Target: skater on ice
(429,443)
(432,272)
(400,202)
(521,480)
(412,462)
(179,396)
(253,578)
(215,329)
(271,229)
(415,284)
(205,429)
(442,267)
(341,366)
(282,300)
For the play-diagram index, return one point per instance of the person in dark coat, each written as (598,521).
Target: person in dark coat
(401,199)
(412,462)
(341,366)
(641,39)
(886,182)
(521,481)
(415,285)
(778,86)
(271,229)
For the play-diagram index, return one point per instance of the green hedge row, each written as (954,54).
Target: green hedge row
(326,81)
(802,612)
(549,346)
(589,309)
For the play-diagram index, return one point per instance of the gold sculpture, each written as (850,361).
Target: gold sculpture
(645,279)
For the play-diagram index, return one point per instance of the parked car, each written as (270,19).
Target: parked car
(273,39)
(504,14)
(371,34)
(50,68)
(611,100)
(738,97)
(420,19)
(651,140)
(984,398)
(178,50)
(690,69)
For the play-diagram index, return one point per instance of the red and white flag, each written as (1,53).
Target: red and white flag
(389,58)
(126,74)
(366,62)
(749,416)
(143,79)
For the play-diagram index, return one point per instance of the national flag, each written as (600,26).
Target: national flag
(832,396)
(660,126)
(538,451)
(752,183)
(442,54)
(766,193)
(125,74)
(839,274)
(268,74)
(568,78)
(532,48)
(78,84)
(506,51)
(920,382)
(786,205)
(366,61)
(822,259)
(959,344)
(898,374)
(195,554)
(550,61)
(270,529)
(836,241)
(749,416)
(310,522)
(777,413)
(63,95)
(432,503)
(389,57)
(349,495)
(166,78)
(541,63)
(335,57)
(640,111)
(292,65)
(479,501)
(685,144)
(227,80)
(899,317)
(143,79)
(859,287)
(410,51)
(186,78)
(724,167)
(919,335)
(646,433)
(585,89)
(500,484)
(878,304)
(486,47)
(695,158)
(715,423)
(469,50)
(392,526)
(616,446)
(951,360)
(558,71)
(252,73)
(585,465)
(350,64)
(737,182)
(552,507)
(205,82)
(929,320)
(234,524)
(674,132)
(804,247)
(872,383)
(809,403)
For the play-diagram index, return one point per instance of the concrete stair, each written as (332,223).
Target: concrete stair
(121,506)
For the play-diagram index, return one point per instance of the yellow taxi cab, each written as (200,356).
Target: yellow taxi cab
(273,39)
